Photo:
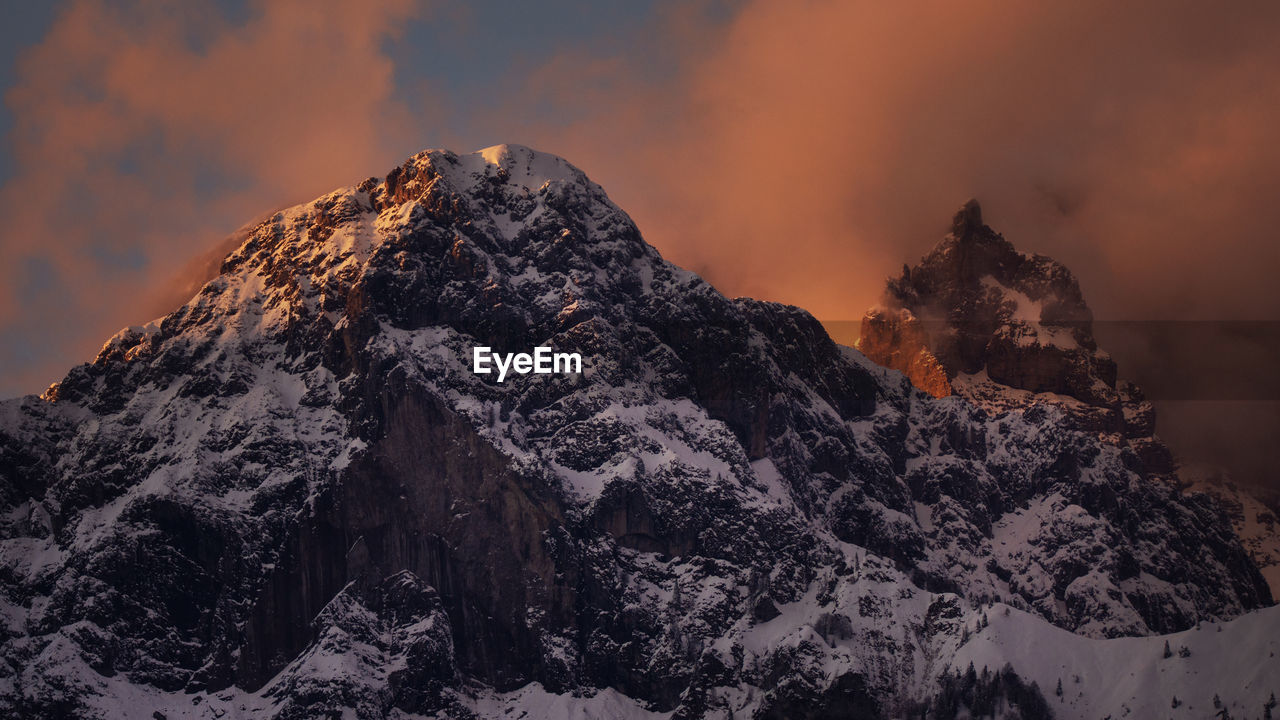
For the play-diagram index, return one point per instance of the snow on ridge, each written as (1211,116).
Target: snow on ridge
(1029,314)
(1130,676)
(533,702)
(1121,677)
(522,168)
(525,166)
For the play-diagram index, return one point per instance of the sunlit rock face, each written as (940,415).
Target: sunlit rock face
(292,497)
(897,340)
(1007,329)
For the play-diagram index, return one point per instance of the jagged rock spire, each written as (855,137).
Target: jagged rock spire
(981,319)
(967,220)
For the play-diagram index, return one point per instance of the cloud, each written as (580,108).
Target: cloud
(145,132)
(817,145)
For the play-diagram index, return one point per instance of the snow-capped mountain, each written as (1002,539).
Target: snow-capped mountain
(292,497)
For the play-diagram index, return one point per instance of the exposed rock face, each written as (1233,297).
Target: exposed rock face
(997,320)
(1255,516)
(375,645)
(292,497)
(897,340)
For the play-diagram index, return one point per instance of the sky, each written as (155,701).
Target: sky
(798,151)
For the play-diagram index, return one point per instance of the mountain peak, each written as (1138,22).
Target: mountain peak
(505,164)
(967,220)
(526,165)
(1008,329)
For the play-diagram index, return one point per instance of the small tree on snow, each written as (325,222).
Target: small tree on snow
(1167,652)
(1058,691)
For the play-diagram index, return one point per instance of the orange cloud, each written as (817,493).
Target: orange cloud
(818,145)
(145,133)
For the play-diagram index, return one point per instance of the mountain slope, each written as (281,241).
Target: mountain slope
(1254,520)
(294,494)
(1133,676)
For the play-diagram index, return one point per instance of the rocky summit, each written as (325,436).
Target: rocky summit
(293,498)
(1005,329)
(1010,331)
